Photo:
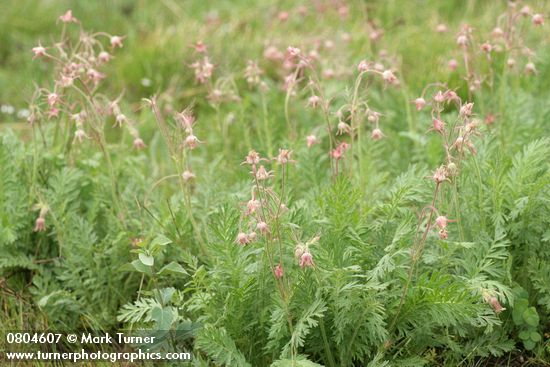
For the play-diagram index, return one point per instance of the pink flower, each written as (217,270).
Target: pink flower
(68,17)
(306,260)
(252,158)
(443,234)
(139,144)
(486,47)
(262,174)
(188,175)
(419,103)
(200,47)
(262,227)
(293,51)
(252,205)
(314,101)
(284,156)
(40,224)
(95,76)
(441,221)
(192,141)
(272,53)
(363,66)
(242,239)
(278,271)
(462,40)
(343,128)
(440,175)
(525,11)
(497,32)
(441,28)
(376,134)
(104,57)
(530,68)
(453,64)
(511,63)
(466,110)
(116,41)
(80,135)
(538,19)
(38,51)
(389,77)
(283,16)
(439,97)
(438,125)
(495,304)
(53,98)
(311,140)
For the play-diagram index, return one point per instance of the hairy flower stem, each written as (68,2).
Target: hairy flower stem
(356,126)
(291,124)
(416,253)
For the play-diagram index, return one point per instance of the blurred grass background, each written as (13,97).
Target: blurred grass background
(160,34)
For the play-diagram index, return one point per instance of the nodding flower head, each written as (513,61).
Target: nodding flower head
(466,110)
(188,175)
(453,64)
(497,32)
(68,17)
(376,134)
(306,260)
(242,239)
(116,41)
(252,205)
(538,19)
(462,40)
(441,221)
(139,144)
(186,120)
(262,227)
(389,77)
(311,140)
(200,47)
(53,98)
(530,68)
(511,63)
(338,153)
(40,224)
(38,51)
(486,47)
(443,234)
(104,57)
(440,175)
(80,135)
(293,51)
(343,128)
(363,66)
(439,97)
(419,103)
(441,28)
(438,125)
(314,101)
(278,272)
(525,11)
(262,174)
(252,158)
(495,304)
(192,141)
(284,156)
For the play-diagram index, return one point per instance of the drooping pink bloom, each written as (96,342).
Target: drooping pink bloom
(139,144)
(343,128)
(200,47)
(538,19)
(389,77)
(38,51)
(419,103)
(284,156)
(311,140)
(192,141)
(188,175)
(252,158)
(376,134)
(242,239)
(441,28)
(40,224)
(262,227)
(278,272)
(441,221)
(363,66)
(116,41)
(104,57)
(314,101)
(440,175)
(306,260)
(68,17)
(453,64)
(438,125)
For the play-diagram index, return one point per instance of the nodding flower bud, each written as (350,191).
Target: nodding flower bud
(38,51)
(192,141)
(252,205)
(466,110)
(343,128)
(314,101)
(53,98)
(376,134)
(530,68)
(252,158)
(306,260)
(441,221)
(242,239)
(120,119)
(139,144)
(252,236)
(363,66)
(438,125)
(311,140)
(188,175)
(443,235)
(278,272)
(262,174)
(104,56)
(538,19)
(284,156)
(68,17)
(40,224)
(511,63)
(389,77)
(453,64)
(262,227)
(419,103)
(441,28)
(293,51)
(497,32)
(80,135)
(440,175)
(525,10)
(116,41)
(486,47)
(495,304)
(462,40)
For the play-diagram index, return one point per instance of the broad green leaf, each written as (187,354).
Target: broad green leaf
(146,259)
(173,267)
(139,266)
